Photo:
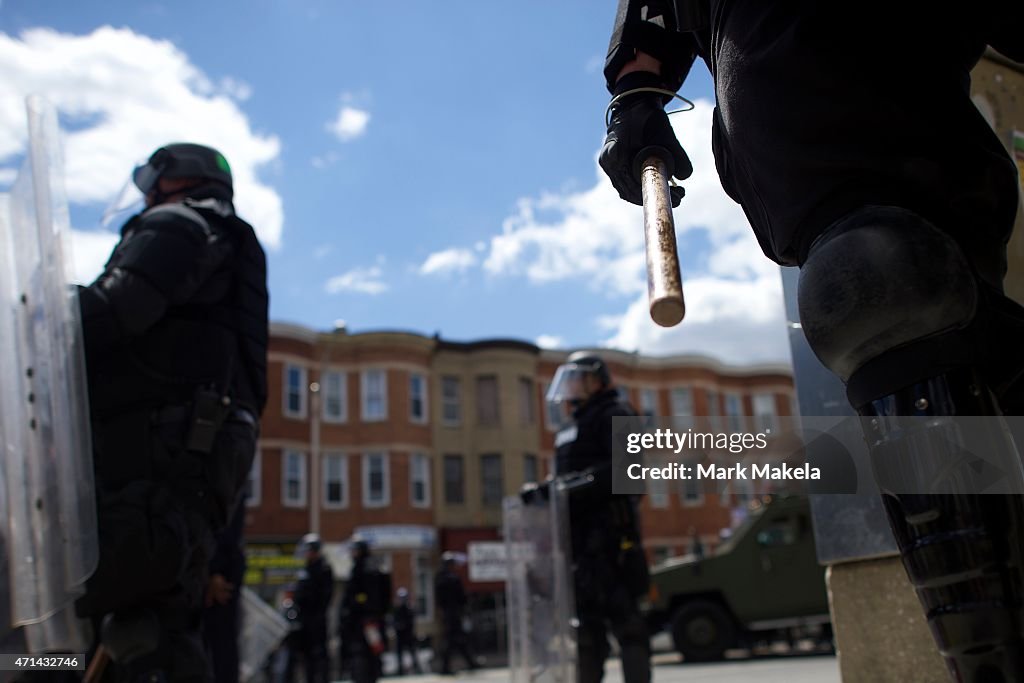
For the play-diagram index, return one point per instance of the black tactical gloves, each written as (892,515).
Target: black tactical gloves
(639,127)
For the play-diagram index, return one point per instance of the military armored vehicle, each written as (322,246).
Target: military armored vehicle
(764,581)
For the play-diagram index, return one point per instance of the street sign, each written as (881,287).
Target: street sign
(487,561)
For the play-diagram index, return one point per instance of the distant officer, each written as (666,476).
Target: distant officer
(609,567)
(451,600)
(313,592)
(361,616)
(403,618)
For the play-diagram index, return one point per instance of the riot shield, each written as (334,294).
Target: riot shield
(263,629)
(539,588)
(47,458)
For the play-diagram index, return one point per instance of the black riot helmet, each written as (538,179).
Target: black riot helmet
(359,547)
(310,543)
(568,384)
(184,160)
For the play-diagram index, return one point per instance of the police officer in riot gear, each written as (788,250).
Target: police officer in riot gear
(361,615)
(313,592)
(175,333)
(824,133)
(609,567)
(403,620)
(450,596)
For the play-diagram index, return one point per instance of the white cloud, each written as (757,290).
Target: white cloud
(350,123)
(89,251)
(7,176)
(448,261)
(125,94)
(733,293)
(550,341)
(322,162)
(358,280)
(734,321)
(322,251)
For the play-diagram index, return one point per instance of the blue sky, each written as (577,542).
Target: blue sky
(407,165)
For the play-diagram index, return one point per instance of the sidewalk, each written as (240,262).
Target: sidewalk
(669,669)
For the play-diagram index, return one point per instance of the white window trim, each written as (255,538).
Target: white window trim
(648,391)
(303,393)
(425,503)
(673,404)
(738,416)
(256,476)
(458,402)
(343,457)
(367,503)
(303,479)
(760,416)
(429,587)
(658,499)
(422,420)
(725,494)
(343,388)
(685,500)
(549,424)
(365,394)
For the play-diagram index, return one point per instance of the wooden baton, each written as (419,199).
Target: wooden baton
(664,283)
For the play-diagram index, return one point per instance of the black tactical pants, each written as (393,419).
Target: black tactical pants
(159,508)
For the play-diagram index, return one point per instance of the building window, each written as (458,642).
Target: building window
(552,411)
(693,495)
(335,480)
(724,494)
(417,398)
(254,485)
(454,480)
(623,392)
(293,479)
(451,405)
(334,387)
(375,395)
(657,493)
(294,391)
(531,473)
(376,482)
(488,412)
(682,407)
(648,402)
(714,411)
(764,412)
(492,487)
(423,586)
(527,402)
(419,480)
(734,413)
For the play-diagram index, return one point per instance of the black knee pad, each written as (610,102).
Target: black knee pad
(880,279)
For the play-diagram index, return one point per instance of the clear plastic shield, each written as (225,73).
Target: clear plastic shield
(47,457)
(263,629)
(539,593)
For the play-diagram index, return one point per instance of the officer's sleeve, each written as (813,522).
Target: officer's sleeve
(651,26)
(160,262)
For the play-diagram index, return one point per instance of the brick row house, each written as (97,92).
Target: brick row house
(413,442)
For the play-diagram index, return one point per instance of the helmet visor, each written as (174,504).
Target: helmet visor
(128,202)
(568,384)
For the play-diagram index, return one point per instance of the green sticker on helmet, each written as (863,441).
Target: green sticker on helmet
(222,164)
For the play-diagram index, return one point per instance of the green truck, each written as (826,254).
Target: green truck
(763,582)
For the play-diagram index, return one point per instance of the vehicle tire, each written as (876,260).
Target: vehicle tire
(703,630)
